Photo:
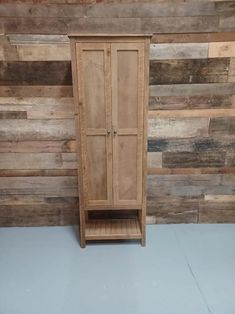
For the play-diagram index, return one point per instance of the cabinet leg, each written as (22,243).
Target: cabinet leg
(82,243)
(143,241)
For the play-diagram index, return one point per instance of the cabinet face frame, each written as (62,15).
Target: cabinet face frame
(106,40)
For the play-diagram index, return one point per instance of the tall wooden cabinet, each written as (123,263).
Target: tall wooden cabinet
(110,83)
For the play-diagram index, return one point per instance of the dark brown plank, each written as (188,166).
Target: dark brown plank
(223,126)
(36,91)
(199,144)
(13,115)
(189,71)
(193,160)
(38,173)
(190,102)
(217,212)
(38,214)
(35,73)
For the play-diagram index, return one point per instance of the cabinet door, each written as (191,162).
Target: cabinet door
(127,66)
(95,110)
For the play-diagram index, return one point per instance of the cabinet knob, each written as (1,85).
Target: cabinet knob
(114,132)
(108,132)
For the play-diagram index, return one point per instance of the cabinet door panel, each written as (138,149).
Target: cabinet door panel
(127,64)
(95,108)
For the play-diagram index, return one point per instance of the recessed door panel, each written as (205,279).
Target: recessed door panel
(95,108)
(127,64)
(127,174)
(97,167)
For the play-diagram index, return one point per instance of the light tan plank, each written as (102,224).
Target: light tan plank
(38,161)
(191,113)
(221,49)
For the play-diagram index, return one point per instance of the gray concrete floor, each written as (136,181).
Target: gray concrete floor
(184,269)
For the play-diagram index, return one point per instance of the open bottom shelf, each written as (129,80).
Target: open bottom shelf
(112,229)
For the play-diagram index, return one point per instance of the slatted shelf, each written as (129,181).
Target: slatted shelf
(112,229)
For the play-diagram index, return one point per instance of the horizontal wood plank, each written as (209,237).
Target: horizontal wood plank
(46,186)
(38,25)
(193,37)
(178,127)
(111,10)
(190,102)
(193,160)
(178,51)
(191,113)
(197,144)
(36,91)
(189,71)
(222,125)
(188,171)
(35,39)
(35,73)
(38,161)
(192,89)
(221,50)
(38,146)
(38,173)
(24,130)
(38,215)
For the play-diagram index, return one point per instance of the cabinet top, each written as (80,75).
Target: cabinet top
(108,35)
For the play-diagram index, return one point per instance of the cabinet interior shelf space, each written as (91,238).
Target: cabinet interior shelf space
(112,229)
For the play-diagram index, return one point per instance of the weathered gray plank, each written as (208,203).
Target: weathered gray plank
(178,51)
(24,130)
(193,89)
(111,10)
(38,25)
(178,128)
(38,107)
(223,125)
(190,102)
(227,22)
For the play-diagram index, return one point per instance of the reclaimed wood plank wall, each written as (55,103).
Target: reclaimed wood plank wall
(191,148)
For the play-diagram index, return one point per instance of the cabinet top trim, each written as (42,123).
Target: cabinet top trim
(109,35)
